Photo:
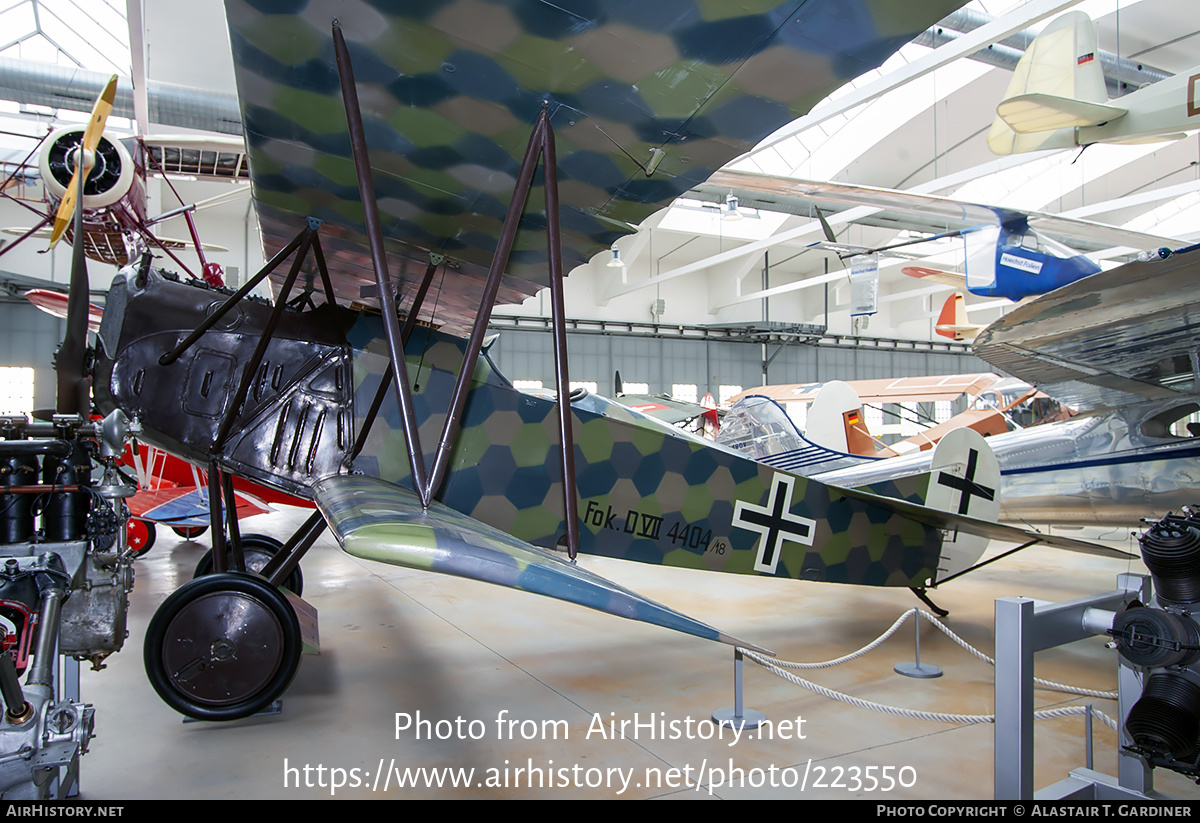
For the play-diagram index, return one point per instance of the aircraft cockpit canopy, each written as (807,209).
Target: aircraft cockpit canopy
(1021,404)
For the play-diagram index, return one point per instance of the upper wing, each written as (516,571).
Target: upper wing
(380,521)
(647,100)
(1119,336)
(206,158)
(760,190)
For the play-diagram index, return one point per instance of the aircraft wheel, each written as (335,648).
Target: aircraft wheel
(222,647)
(189,532)
(257,549)
(139,536)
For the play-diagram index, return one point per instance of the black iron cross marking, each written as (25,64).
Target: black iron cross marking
(967,485)
(774,522)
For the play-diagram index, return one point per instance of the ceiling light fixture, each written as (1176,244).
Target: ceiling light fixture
(731,209)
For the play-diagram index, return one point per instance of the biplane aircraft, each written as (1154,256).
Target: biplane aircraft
(389,136)
(115,223)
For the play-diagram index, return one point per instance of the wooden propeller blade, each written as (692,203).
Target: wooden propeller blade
(91,139)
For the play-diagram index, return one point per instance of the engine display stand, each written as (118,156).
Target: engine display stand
(1026,626)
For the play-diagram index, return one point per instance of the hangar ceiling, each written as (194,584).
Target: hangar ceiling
(894,128)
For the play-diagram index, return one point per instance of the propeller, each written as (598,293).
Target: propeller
(85,159)
(74,395)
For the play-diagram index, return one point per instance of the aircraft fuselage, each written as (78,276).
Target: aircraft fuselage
(647,492)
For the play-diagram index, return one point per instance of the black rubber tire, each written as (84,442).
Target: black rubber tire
(189,532)
(151,534)
(222,647)
(257,549)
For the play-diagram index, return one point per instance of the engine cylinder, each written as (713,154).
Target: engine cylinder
(1155,638)
(65,514)
(1171,551)
(16,510)
(1166,720)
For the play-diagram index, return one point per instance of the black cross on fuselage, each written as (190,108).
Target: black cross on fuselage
(774,522)
(967,485)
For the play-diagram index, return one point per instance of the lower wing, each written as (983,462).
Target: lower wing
(376,520)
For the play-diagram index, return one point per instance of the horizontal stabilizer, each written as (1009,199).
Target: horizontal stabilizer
(984,528)
(1036,112)
(381,521)
(946,278)
(958,331)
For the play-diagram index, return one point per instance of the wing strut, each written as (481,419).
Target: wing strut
(541,146)
(386,382)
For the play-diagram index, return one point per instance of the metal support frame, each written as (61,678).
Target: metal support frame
(231,521)
(264,340)
(27,234)
(917,668)
(187,216)
(1022,628)
(216,519)
(541,145)
(146,235)
(214,318)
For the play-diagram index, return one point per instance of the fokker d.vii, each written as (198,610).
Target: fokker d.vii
(415,449)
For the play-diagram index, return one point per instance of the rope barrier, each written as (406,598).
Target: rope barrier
(778,667)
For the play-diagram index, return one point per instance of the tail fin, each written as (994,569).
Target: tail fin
(1057,85)
(835,420)
(964,479)
(712,418)
(952,322)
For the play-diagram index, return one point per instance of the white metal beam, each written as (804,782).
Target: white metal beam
(1004,26)
(1139,199)
(137,56)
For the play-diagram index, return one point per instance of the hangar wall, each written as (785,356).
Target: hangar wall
(28,338)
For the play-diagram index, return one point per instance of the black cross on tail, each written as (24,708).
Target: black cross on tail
(967,485)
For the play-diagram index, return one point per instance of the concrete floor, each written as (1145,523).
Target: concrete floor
(399,641)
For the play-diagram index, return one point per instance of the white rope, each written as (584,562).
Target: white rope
(896,711)
(778,667)
(1046,684)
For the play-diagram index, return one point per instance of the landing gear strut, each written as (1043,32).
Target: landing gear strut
(258,549)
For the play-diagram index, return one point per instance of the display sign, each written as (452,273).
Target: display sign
(864,284)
